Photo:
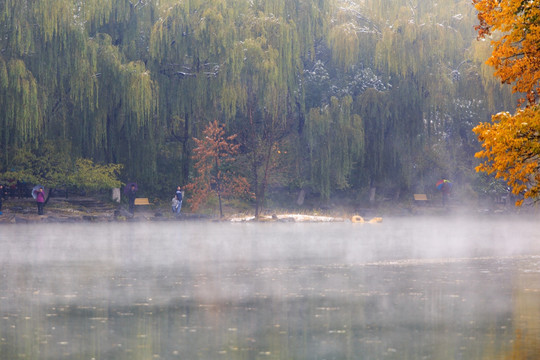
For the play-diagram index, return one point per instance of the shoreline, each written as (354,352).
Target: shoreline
(88,209)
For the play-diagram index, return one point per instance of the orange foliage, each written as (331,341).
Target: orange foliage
(515,28)
(511,142)
(212,156)
(512,148)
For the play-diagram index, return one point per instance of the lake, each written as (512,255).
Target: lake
(407,288)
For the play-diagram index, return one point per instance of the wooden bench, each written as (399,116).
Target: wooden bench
(142,201)
(421,199)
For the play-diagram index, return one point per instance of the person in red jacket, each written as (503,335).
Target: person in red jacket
(40,200)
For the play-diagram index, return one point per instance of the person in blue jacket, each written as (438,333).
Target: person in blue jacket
(179,199)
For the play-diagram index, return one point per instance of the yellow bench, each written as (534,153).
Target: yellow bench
(421,200)
(142,201)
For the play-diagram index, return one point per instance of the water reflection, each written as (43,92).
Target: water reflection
(407,288)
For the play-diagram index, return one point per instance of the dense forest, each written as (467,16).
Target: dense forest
(375,98)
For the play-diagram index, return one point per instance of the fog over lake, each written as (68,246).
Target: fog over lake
(439,287)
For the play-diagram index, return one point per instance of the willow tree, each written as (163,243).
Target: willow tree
(53,48)
(335,137)
(374,108)
(352,35)
(262,114)
(312,19)
(20,110)
(49,37)
(425,50)
(192,49)
(266,88)
(21,104)
(125,122)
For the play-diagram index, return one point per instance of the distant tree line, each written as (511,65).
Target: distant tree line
(326,95)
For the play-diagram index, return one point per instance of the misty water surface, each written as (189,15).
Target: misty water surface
(434,288)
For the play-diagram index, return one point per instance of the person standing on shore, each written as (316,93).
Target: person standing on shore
(132,195)
(2,193)
(174,204)
(445,186)
(179,199)
(40,200)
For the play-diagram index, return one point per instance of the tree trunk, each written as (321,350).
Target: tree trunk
(254,158)
(301,197)
(218,188)
(264,181)
(372,192)
(48,196)
(220,206)
(256,185)
(186,152)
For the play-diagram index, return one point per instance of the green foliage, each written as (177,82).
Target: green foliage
(374,107)
(90,176)
(20,108)
(47,166)
(53,166)
(489,185)
(335,137)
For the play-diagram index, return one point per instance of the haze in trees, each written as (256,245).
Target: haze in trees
(394,87)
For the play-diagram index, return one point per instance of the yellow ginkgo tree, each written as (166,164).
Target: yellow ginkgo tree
(511,147)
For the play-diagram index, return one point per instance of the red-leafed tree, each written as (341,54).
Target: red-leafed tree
(213,156)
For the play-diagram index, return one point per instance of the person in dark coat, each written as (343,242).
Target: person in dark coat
(132,195)
(2,195)
(446,188)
